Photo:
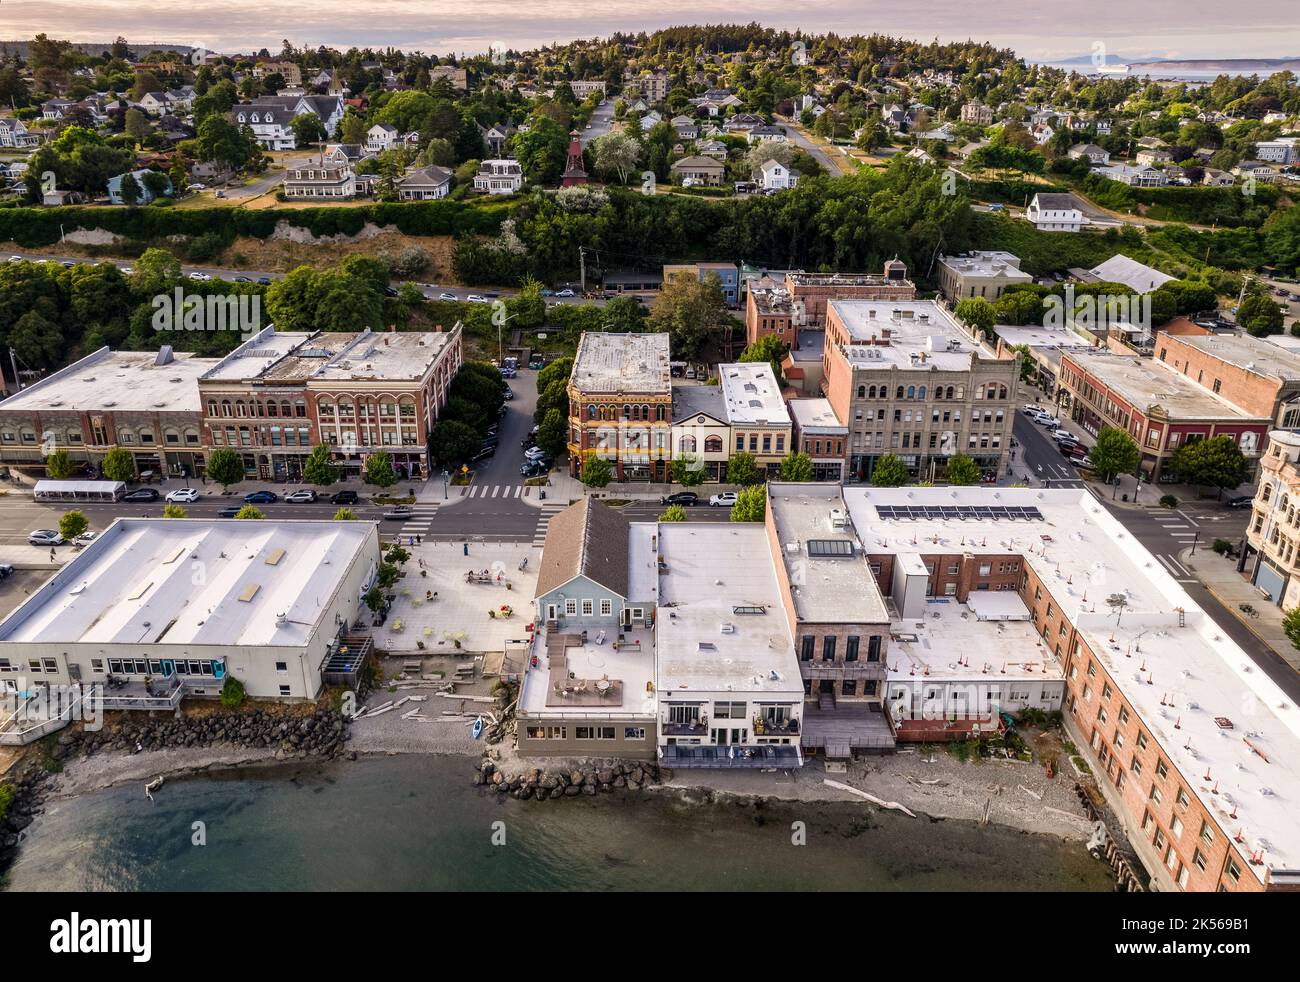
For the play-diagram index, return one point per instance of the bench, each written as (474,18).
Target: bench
(413,666)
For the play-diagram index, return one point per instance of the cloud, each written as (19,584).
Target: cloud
(1036,29)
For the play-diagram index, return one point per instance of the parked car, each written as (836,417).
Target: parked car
(1240,501)
(45,537)
(686,498)
(535,468)
(536,362)
(142,494)
(566,292)
(1031,410)
(230,511)
(6,571)
(183,496)
(260,497)
(1050,421)
(509,393)
(723,499)
(448,297)
(343,498)
(534,452)
(483,454)
(399,513)
(301,496)
(546,291)
(1064,436)
(508,372)
(390,291)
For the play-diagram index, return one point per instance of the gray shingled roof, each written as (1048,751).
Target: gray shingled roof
(586,539)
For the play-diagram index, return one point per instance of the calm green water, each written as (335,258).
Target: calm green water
(416,823)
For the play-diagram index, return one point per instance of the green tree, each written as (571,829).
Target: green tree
(225,466)
(889,472)
(156,271)
(318,469)
(962,470)
(693,313)
(797,467)
(596,470)
(751,504)
(171,510)
(59,466)
(345,515)
(1215,463)
(978,313)
(379,470)
(553,433)
(688,470)
(251,512)
(307,129)
(673,513)
(1259,316)
(232,693)
(1291,625)
(452,440)
(770,349)
(743,469)
(1115,452)
(73,524)
(118,465)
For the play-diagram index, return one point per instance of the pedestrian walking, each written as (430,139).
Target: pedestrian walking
(51,553)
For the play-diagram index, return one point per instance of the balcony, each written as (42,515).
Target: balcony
(684,729)
(165,694)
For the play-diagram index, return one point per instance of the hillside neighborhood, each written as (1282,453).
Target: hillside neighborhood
(773,413)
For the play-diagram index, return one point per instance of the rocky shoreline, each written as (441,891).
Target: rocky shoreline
(547,785)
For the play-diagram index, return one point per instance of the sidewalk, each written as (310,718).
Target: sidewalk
(1220,577)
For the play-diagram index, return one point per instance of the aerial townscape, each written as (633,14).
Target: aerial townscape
(645,443)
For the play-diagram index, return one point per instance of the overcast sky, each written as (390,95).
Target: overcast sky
(1041,30)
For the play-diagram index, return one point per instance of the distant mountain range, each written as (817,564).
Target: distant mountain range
(1154,63)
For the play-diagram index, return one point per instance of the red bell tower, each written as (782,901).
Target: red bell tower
(574,172)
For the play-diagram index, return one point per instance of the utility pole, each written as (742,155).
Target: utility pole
(582,268)
(13,362)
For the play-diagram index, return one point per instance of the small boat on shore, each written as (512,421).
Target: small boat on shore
(478,727)
(153,786)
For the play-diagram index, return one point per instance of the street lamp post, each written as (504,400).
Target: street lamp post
(1195,538)
(445,478)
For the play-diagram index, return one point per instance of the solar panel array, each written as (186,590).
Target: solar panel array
(830,548)
(976,513)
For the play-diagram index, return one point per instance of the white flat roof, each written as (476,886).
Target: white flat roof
(721,626)
(193,581)
(388,356)
(815,416)
(988,263)
(838,589)
(124,381)
(751,394)
(952,644)
(914,327)
(1138,277)
(1040,337)
(622,363)
(255,356)
(1179,679)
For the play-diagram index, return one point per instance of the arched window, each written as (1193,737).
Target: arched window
(950,390)
(225,408)
(920,393)
(686,444)
(270,409)
(1002,391)
(300,408)
(899,393)
(591,411)
(285,409)
(911,392)
(713,444)
(862,391)
(659,414)
(938,392)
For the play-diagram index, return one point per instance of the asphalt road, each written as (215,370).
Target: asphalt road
(432,291)
(600,124)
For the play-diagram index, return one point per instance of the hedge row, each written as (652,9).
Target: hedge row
(42,226)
